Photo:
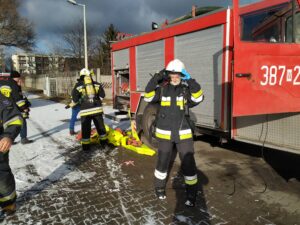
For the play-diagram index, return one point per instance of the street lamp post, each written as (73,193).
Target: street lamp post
(84,31)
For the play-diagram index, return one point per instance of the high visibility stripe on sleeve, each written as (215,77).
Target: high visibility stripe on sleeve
(191,180)
(160,175)
(21,103)
(8,197)
(92,111)
(197,94)
(148,97)
(197,97)
(14,121)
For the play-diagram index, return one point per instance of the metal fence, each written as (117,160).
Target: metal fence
(62,84)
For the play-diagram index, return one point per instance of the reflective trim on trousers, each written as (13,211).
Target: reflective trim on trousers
(160,175)
(191,180)
(8,197)
(85,141)
(92,111)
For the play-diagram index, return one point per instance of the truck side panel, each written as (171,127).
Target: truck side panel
(150,58)
(202,52)
(121,59)
(280,131)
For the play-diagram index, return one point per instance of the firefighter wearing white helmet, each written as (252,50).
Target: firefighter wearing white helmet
(172,126)
(89,94)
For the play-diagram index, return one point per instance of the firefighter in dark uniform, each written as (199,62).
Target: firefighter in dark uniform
(89,94)
(10,126)
(173,128)
(23,105)
(11,89)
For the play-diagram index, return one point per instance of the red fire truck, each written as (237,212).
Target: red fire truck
(247,60)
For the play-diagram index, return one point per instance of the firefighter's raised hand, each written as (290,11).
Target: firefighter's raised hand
(186,75)
(5,144)
(160,76)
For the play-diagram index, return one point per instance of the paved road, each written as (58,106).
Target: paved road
(236,187)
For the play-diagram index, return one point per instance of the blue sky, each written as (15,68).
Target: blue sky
(53,18)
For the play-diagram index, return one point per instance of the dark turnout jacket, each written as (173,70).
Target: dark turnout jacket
(172,124)
(10,118)
(10,89)
(88,105)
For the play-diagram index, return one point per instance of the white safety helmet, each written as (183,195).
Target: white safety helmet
(84,72)
(175,66)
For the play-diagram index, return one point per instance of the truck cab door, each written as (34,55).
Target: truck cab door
(266,78)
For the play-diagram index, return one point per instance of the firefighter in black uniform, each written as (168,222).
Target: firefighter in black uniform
(11,89)
(24,107)
(10,126)
(89,94)
(173,127)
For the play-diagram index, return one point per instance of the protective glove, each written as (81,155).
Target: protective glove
(161,76)
(187,76)
(67,106)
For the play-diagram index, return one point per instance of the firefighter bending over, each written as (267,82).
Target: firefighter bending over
(89,95)
(173,127)
(10,126)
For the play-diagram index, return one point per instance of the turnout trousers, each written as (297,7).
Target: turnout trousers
(86,123)
(7,182)
(166,155)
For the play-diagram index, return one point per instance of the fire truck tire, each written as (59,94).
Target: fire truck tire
(148,123)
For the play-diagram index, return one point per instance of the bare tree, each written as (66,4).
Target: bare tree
(73,44)
(101,56)
(14,30)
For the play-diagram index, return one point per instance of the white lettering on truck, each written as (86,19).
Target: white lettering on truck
(277,75)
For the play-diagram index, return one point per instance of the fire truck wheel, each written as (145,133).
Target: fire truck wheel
(148,123)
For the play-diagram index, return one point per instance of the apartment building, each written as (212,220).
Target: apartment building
(29,63)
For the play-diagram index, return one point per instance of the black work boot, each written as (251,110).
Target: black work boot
(85,147)
(25,141)
(7,210)
(191,195)
(72,132)
(160,193)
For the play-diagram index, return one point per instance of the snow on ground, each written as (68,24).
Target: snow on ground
(48,127)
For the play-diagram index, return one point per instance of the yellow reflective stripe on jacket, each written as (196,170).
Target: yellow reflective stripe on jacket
(163,134)
(21,103)
(197,94)
(87,112)
(14,121)
(165,103)
(8,197)
(5,90)
(80,88)
(185,134)
(191,180)
(149,96)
